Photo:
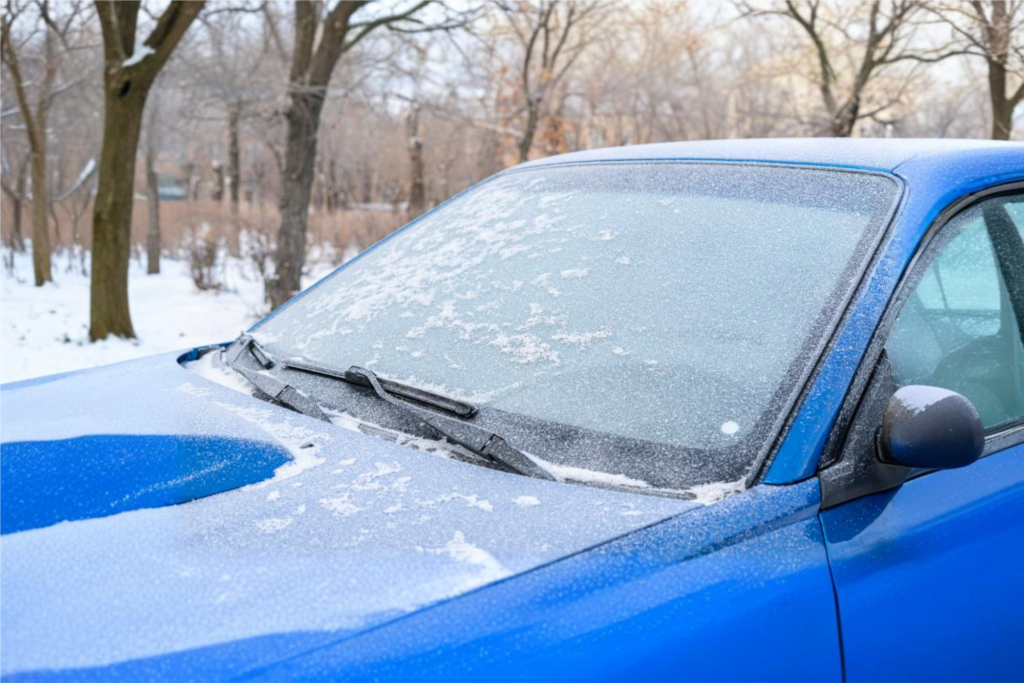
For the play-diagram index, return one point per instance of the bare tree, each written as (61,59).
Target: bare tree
(994,31)
(14,186)
(321,39)
(234,80)
(152,192)
(417,185)
(76,200)
(35,117)
(553,34)
(129,72)
(877,31)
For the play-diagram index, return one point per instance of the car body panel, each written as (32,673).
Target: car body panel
(881,155)
(736,590)
(739,590)
(930,576)
(349,533)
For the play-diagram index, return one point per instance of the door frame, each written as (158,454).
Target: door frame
(848,468)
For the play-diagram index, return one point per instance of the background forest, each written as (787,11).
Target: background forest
(172,171)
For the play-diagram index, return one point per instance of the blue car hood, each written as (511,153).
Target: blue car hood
(150,511)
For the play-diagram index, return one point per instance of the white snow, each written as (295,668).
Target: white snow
(581,339)
(274,524)
(574,272)
(302,444)
(471,500)
(526,501)
(917,399)
(461,550)
(706,494)
(730,427)
(141,53)
(580,474)
(45,330)
(367,481)
(86,171)
(208,366)
(526,348)
(340,506)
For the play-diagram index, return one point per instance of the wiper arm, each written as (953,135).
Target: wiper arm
(246,343)
(279,391)
(472,437)
(446,403)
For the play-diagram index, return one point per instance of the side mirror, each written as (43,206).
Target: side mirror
(931,428)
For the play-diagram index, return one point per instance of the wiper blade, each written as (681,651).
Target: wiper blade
(473,438)
(284,393)
(446,403)
(277,390)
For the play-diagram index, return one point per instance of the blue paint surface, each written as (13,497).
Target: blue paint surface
(46,482)
(734,591)
(930,576)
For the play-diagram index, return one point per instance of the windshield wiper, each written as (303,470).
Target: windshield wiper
(473,438)
(278,391)
(448,404)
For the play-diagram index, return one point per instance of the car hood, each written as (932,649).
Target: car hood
(149,511)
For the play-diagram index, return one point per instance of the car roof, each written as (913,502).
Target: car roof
(874,154)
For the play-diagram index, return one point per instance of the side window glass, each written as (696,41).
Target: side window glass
(961,329)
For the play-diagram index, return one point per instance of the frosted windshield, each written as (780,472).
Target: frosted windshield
(671,304)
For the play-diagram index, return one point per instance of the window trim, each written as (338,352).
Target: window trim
(841,479)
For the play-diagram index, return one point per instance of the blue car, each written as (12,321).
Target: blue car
(745,410)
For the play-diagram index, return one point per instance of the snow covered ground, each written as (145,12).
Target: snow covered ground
(44,330)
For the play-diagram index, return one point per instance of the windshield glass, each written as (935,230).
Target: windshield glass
(656,316)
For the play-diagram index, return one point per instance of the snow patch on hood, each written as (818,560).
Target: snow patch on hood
(460,550)
(360,530)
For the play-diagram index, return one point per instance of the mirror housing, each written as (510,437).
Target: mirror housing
(931,428)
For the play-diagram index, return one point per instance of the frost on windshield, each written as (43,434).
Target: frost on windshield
(667,305)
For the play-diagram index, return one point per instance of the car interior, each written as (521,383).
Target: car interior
(961,329)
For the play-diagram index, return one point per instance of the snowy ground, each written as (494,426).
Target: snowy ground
(45,330)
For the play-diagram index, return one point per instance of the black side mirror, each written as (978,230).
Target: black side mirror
(931,428)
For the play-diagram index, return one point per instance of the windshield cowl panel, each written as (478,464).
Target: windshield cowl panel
(646,320)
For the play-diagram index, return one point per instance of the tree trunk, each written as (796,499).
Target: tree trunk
(16,198)
(153,210)
(303,119)
(532,118)
(40,223)
(333,203)
(17,241)
(112,212)
(417,186)
(1002,108)
(234,163)
(844,120)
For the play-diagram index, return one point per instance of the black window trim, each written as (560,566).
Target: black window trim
(841,484)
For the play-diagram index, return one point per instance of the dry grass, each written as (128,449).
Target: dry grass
(180,220)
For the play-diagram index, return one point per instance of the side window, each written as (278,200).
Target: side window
(963,326)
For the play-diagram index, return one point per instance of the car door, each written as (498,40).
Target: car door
(928,566)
